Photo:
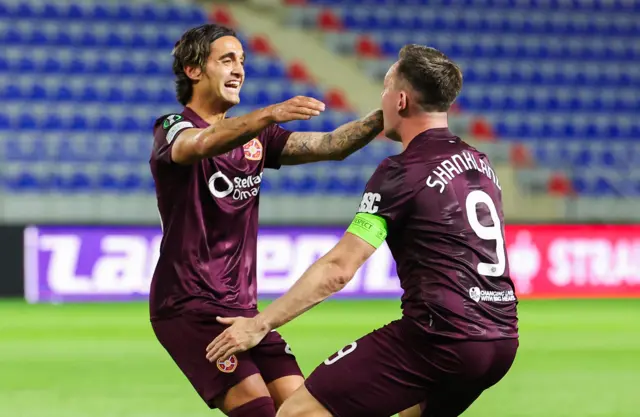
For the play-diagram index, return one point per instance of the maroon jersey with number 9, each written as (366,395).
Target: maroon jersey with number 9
(442,203)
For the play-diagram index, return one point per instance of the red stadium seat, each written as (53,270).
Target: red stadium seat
(335,99)
(482,130)
(261,45)
(329,21)
(222,16)
(559,185)
(520,156)
(367,47)
(298,72)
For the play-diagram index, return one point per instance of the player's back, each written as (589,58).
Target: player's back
(442,202)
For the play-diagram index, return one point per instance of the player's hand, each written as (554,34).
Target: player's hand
(240,336)
(297,108)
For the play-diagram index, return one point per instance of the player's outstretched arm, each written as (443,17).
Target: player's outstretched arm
(325,277)
(193,145)
(304,147)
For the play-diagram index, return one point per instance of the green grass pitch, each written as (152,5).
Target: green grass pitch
(577,359)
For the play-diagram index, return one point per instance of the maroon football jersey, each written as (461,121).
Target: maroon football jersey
(443,206)
(209,215)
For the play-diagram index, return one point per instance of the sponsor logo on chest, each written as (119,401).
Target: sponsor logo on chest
(239,188)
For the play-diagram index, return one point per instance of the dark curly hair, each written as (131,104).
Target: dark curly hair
(192,50)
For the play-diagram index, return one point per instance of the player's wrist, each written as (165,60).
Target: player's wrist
(268,113)
(262,324)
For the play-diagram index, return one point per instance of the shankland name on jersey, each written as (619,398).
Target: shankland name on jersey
(449,245)
(455,165)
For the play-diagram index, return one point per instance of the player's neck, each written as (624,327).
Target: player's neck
(207,110)
(417,124)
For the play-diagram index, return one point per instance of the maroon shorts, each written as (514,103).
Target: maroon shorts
(186,337)
(399,366)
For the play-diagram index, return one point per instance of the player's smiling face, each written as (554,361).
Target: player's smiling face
(225,70)
(394,102)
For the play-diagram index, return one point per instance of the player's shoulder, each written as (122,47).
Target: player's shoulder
(444,150)
(166,121)
(466,146)
(169,125)
(392,164)
(390,170)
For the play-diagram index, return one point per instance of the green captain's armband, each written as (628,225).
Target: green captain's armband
(370,228)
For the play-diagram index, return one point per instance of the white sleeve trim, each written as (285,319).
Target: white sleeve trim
(175,129)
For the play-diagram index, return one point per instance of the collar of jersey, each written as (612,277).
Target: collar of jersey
(194,117)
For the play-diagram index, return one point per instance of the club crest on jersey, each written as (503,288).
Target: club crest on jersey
(227,365)
(253,150)
(171,120)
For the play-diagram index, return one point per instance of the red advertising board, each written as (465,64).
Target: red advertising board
(574,261)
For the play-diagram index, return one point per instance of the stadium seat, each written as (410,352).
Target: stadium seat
(516,74)
(88,71)
(23,182)
(366,47)
(298,72)
(329,21)
(260,45)
(560,185)
(336,100)
(222,16)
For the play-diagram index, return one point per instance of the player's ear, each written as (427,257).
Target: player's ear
(403,102)
(195,73)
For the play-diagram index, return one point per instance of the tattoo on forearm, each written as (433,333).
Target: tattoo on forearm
(314,146)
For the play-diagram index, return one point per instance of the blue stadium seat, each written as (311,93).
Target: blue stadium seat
(84,70)
(79,122)
(153,68)
(108,182)
(275,69)
(101,12)
(76,66)
(52,122)
(128,124)
(115,152)
(23,182)
(79,182)
(64,93)
(105,124)
(123,13)
(267,185)
(56,181)
(149,13)
(131,182)
(166,95)
(25,10)
(75,11)
(138,95)
(26,65)
(27,122)
(51,11)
